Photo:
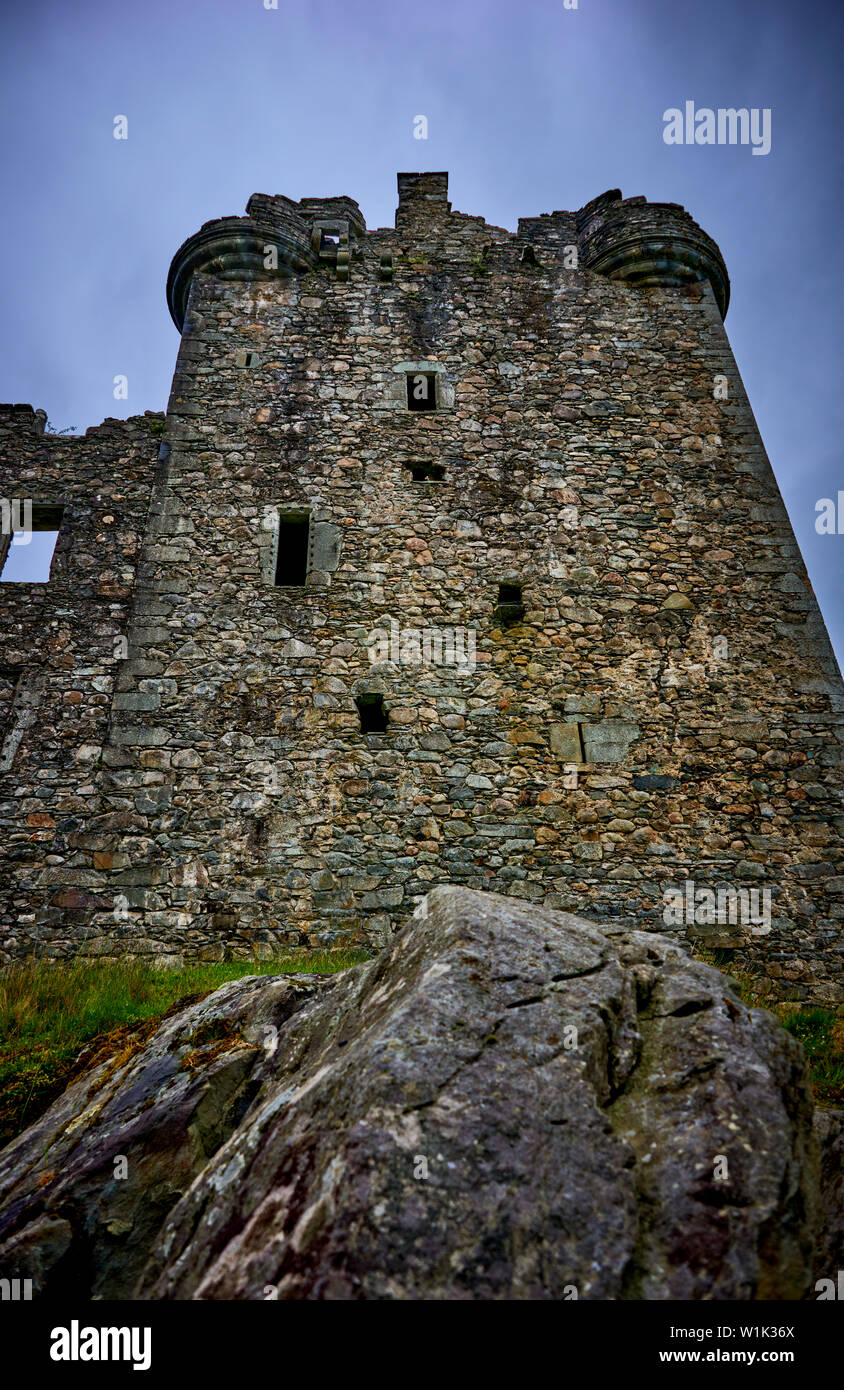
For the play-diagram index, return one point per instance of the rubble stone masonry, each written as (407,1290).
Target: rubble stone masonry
(587,508)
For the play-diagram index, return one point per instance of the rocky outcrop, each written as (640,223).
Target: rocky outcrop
(508,1103)
(829,1250)
(84,1190)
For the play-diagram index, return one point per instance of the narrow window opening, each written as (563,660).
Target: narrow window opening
(373,716)
(510,607)
(427,472)
(28,542)
(291,566)
(258,833)
(580,742)
(247,359)
(330,239)
(421,390)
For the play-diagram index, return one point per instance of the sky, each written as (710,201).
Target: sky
(530,106)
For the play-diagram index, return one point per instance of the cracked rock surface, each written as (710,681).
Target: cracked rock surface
(508,1103)
(829,1248)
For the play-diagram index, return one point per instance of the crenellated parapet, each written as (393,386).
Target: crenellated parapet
(648,244)
(644,244)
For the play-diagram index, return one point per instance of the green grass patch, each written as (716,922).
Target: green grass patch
(50,1012)
(822,1036)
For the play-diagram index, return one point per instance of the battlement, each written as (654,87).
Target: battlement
(643,244)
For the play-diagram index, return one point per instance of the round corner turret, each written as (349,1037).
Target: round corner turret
(648,244)
(238,248)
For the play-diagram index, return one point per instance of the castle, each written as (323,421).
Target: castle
(456,558)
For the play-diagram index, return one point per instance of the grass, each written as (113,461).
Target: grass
(822,1036)
(50,1012)
(819,1030)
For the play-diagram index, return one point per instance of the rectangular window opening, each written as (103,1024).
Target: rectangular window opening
(509,593)
(28,541)
(421,390)
(427,472)
(373,716)
(291,565)
(510,607)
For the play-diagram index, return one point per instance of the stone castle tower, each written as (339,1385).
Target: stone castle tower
(457,558)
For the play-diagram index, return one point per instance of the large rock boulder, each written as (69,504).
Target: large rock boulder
(829,1248)
(508,1103)
(84,1190)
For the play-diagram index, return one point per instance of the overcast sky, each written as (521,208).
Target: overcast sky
(531,107)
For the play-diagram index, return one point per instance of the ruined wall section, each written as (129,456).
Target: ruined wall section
(61,647)
(670,650)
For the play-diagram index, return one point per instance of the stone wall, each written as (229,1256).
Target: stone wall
(667,706)
(60,647)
